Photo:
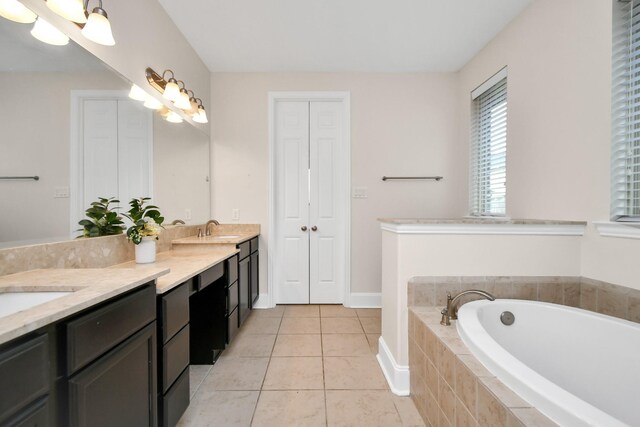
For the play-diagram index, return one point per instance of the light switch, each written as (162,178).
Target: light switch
(360,192)
(235,214)
(60,192)
(187,214)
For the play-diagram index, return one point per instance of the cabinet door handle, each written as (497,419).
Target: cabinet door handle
(314,228)
(303,228)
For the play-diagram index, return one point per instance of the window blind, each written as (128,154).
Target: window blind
(625,155)
(488,153)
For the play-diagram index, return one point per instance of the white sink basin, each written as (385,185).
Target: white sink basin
(13,302)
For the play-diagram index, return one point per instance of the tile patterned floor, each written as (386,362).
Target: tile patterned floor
(299,365)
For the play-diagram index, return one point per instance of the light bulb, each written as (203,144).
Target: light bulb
(98,29)
(171,90)
(201,117)
(73,10)
(49,34)
(182,102)
(152,103)
(137,93)
(15,11)
(173,117)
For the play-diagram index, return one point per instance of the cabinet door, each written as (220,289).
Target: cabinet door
(118,389)
(254,281)
(243,289)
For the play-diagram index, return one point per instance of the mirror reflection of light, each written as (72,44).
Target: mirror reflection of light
(152,103)
(98,29)
(73,10)
(47,33)
(136,93)
(15,11)
(173,117)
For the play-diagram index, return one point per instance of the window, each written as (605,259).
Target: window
(625,154)
(488,153)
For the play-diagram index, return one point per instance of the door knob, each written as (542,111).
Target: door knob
(303,228)
(314,228)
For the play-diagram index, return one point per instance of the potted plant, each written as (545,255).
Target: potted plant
(102,221)
(147,224)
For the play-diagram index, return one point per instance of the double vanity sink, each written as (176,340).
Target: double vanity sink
(65,333)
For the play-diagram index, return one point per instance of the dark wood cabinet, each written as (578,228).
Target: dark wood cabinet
(119,388)
(254,280)
(244,270)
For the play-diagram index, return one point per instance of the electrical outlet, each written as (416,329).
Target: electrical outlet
(360,192)
(187,214)
(235,214)
(60,192)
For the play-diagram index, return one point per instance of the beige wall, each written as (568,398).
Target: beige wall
(559,85)
(401,124)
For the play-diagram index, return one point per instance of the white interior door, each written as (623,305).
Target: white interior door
(309,235)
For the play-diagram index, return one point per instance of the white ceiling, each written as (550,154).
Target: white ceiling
(340,35)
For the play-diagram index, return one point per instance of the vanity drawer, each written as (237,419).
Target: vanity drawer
(94,333)
(254,244)
(24,374)
(210,275)
(174,311)
(232,269)
(232,297)
(232,326)
(176,401)
(175,357)
(36,415)
(245,249)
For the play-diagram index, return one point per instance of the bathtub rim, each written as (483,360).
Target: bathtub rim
(538,391)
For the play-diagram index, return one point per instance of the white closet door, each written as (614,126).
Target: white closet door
(100,150)
(326,237)
(292,202)
(134,152)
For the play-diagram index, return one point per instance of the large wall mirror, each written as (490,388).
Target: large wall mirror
(65,117)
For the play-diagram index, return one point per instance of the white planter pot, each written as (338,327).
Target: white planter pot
(146,250)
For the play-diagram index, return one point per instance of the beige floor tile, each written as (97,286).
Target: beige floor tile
(369,312)
(345,345)
(336,311)
(353,373)
(373,342)
(300,325)
(247,345)
(300,408)
(341,325)
(277,311)
(408,412)
(262,325)
(362,408)
(371,325)
(229,373)
(301,311)
(220,408)
(297,345)
(197,374)
(294,373)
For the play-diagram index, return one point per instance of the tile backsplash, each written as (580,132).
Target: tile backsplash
(589,294)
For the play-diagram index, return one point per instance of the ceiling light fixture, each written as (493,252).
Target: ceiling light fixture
(73,10)
(184,99)
(49,34)
(15,11)
(98,29)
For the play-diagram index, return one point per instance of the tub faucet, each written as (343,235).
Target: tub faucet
(451,312)
(206,227)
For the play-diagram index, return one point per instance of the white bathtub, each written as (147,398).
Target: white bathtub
(577,367)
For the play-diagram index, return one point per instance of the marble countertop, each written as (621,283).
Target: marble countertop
(484,220)
(90,286)
(183,264)
(217,239)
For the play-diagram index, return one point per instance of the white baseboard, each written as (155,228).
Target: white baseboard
(263,302)
(397,376)
(364,300)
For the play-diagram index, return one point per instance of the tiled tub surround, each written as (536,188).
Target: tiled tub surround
(450,387)
(581,292)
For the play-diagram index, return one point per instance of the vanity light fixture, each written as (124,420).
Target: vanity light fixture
(49,34)
(201,117)
(171,89)
(136,93)
(182,102)
(185,100)
(98,29)
(72,10)
(15,11)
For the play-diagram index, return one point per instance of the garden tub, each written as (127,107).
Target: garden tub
(577,367)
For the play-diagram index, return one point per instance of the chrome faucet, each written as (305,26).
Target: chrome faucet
(451,311)
(206,227)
